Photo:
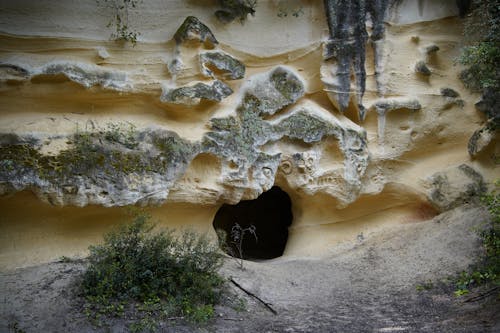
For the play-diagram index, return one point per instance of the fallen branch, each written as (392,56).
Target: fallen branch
(267,305)
(481,296)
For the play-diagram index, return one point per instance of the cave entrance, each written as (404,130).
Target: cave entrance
(270,213)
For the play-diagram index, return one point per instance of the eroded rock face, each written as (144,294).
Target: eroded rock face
(455,186)
(383,106)
(270,92)
(212,64)
(105,167)
(85,74)
(480,140)
(347,47)
(489,105)
(193,29)
(248,143)
(356,138)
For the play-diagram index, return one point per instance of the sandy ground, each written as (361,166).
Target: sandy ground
(366,287)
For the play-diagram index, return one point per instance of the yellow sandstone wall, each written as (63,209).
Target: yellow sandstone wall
(394,187)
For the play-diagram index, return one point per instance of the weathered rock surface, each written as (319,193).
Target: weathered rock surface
(115,172)
(235,9)
(193,29)
(192,95)
(351,136)
(490,106)
(230,67)
(273,91)
(481,139)
(421,68)
(85,74)
(105,167)
(239,139)
(383,106)
(347,47)
(455,186)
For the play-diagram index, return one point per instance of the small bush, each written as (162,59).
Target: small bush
(152,275)
(489,269)
(482,55)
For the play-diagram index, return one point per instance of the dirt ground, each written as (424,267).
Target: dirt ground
(370,285)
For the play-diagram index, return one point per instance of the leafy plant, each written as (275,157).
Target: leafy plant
(425,286)
(237,237)
(152,276)
(65,259)
(120,19)
(489,269)
(124,134)
(482,32)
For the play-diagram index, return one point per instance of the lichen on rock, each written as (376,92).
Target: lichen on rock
(85,74)
(235,9)
(110,167)
(306,124)
(230,67)
(274,90)
(193,29)
(192,95)
(455,186)
(98,168)
(239,140)
(480,139)
(489,105)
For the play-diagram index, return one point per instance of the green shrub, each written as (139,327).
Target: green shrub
(482,60)
(489,269)
(152,275)
(482,55)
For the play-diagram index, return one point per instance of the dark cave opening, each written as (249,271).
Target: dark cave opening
(270,213)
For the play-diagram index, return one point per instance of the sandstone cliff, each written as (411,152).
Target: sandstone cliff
(356,113)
